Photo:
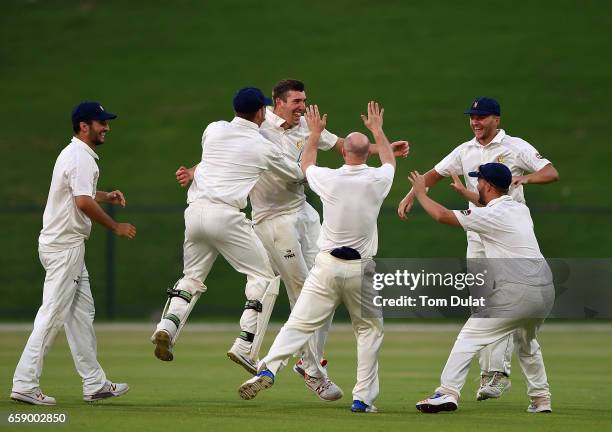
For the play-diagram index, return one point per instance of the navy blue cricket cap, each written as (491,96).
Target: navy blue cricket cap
(250,99)
(88,110)
(495,173)
(484,106)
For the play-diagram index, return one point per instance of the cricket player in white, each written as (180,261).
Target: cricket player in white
(286,224)
(67,301)
(352,196)
(520,301)
(234,155)
(489,144)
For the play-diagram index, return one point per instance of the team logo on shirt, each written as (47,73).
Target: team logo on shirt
(500,159)
(289,254)
(466,212)
(539,156)
(300,144)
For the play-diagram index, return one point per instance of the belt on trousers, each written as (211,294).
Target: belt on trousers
(345,253)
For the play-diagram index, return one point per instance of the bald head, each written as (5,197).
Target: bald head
(356,146)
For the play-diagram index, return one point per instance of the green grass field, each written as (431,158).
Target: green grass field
(170,68)
(198,391)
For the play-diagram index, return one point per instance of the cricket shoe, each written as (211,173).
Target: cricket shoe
(240,353)
(108,390)
(263,380)
(298,368)
(34,397)
(495,388)
(361,407)
(325,388)
(539,405)
(438,402)
(163,345)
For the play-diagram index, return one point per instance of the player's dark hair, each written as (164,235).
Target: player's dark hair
(282,87)
(76,128)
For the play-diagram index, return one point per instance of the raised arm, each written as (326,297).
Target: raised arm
(435,210)
(374,122)
(316,124)
(431,178)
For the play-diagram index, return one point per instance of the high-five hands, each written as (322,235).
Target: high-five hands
(315,122)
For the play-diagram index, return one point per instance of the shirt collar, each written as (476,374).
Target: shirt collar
(244,123)
(274,119)
(498,200)
(81,144)
(497,139)
(354,167)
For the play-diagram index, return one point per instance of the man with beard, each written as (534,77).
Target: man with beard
(489,144)
(520,300)
(67,300)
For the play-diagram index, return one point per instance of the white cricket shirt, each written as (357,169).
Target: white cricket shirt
(352,196)
(75,174)
(234,155)
(517,154)
(505,228)
(273,196)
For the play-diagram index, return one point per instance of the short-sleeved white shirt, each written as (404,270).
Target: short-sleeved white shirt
(75,174)
(517,154)
(352,196)
(506,230)
(272,196)
(234,155)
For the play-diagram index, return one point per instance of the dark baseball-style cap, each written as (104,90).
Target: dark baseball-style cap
(495,173)
(250,99)
(87,111)
(484,106)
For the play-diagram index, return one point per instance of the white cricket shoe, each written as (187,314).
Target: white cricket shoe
(498,384)
(539,405)
(108,390)
(240,353)
(438,402)
(34,397)
(263,380)
(163,345)
(323,387)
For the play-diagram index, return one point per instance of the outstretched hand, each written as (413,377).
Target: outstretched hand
(315,122)
(374,120)
(418,183)
(400,148)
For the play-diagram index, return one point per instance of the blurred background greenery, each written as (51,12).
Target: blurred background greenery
(170,68)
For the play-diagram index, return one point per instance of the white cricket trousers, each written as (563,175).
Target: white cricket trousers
(67,302)
(496,357)
(291,243)
(517,311)
(330,282)
(212,229)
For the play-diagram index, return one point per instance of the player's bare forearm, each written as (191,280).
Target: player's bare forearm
(101,197)
(431,178)
(385,153)
(437,211)
(548,174)
(309,157)
(92,209)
